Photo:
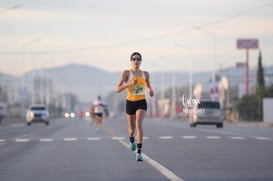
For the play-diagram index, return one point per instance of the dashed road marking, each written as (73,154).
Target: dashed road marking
(261,138)
(213,137)
(237,138)
(46,140)
(94,138)
(118,138)
(189,137)
(165,137)
(21,140)
(70,139)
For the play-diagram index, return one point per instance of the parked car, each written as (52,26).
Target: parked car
(3,111)
(37,113)
(208,112)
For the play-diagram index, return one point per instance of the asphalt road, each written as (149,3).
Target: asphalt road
(71,150)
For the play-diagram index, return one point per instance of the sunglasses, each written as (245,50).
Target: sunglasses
(136,59)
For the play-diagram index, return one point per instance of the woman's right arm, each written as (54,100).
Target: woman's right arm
(121,86)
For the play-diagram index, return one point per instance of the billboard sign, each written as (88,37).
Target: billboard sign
(247,44)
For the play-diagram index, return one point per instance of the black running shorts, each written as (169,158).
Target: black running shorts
(133,106)
(98,114)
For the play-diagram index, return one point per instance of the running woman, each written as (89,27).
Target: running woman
(99,108)
(136,82)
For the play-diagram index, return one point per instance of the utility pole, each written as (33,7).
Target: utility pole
(247,44)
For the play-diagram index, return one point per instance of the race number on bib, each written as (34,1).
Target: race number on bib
(138,90)
(98,109)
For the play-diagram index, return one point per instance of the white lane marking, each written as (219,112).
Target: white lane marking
(160,168)
(117,138)
(165,137)
(46,140)
(94,138)
(261,138)
(163,170)
(20,140)
(2,140)
(227,133)
(123,138)
(145,137)
(189,137)
(237,138)
(213,137)
(70,139)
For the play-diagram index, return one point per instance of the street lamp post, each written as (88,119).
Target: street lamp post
(190,71)
(212,34)
(23,87)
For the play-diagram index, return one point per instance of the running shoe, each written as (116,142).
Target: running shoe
(139,157)
(132,146)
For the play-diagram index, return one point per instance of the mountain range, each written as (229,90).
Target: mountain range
(87,81)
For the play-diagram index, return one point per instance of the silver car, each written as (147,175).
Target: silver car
(37,113)
(207,112)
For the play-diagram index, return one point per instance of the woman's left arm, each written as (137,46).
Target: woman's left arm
(148,85)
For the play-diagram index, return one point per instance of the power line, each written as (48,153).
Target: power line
(155,37)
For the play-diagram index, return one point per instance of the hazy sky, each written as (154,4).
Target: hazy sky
(171,34)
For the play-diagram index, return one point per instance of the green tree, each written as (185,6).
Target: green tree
(260,72)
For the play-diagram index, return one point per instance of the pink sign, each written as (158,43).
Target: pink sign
(247,44)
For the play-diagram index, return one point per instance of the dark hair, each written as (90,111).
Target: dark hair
(136,53)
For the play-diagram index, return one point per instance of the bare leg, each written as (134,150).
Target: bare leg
(131,124)
(98,122)
(139,120)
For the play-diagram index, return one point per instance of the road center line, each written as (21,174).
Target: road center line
(213,137)
(46,139)
(117,138)
(94,138)
(261,138)
(189,137)
(165,137)
(21,140)
(70,139)
(237,138)
(160,168)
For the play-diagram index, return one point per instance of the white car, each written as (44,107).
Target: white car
(37,113)
(208,112)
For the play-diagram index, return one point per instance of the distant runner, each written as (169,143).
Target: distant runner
(99,108)
(136,82)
